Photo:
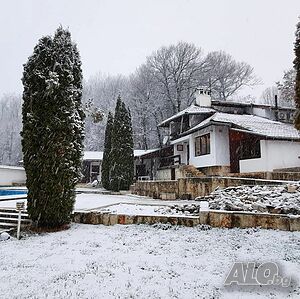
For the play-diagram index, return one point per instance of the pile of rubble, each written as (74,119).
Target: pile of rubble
(284,199)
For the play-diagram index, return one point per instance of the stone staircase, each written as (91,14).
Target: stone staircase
(9,219)
(191,171)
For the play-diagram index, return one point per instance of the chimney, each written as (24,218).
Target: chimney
(202,97)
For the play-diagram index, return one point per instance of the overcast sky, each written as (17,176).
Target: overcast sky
(115,36)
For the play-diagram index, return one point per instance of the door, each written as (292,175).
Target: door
(172,174)
(94,171)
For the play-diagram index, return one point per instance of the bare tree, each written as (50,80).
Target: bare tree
(268,95)
(227,76)
(177,70)
(146,104)
(10,124)
(102,91)
(287,88)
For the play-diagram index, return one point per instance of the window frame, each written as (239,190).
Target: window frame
(202,145)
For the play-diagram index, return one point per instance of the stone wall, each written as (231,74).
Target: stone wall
(223,219)
(229,219)
(215,170)
(190,188)
(155,189)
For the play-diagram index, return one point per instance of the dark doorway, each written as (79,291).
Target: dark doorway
(172,174)
(242,146)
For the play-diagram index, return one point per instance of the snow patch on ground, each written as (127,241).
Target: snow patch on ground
(149,210)
(140,261)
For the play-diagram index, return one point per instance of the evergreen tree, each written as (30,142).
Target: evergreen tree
(105,171)
(128,152)
(53,124)
(297,68)
(121,149)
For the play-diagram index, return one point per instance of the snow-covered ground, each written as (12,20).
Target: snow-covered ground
(99,201)
(140,261)
(150,209)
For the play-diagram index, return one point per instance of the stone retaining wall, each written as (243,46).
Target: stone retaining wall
(190,188)
(155,189)
(112,219)
(229,219)
(223,219)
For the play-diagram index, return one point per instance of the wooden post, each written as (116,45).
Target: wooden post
(20,207)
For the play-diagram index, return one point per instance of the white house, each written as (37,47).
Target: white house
(92,163)
(218,138)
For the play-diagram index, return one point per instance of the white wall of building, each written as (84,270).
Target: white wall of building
(10,175)
(183,153)
(222,146)
(275,154)
(263,112)
(219,148)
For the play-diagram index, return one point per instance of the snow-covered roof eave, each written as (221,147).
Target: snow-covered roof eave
(238,128)
(266,136)
(188,111)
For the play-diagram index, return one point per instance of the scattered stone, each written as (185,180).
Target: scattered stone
(283,199)
(4,236)
(291,188)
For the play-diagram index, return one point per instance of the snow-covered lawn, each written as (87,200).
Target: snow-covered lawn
(99,201)
(140,261)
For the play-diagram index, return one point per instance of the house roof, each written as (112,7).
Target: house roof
(252,124)
(91,155)
(193,109)
(139,153)
(98,155)
(255,105)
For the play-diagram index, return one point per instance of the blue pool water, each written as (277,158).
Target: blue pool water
(6,192)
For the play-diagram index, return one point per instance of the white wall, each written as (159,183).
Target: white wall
(10,174)
(222,146)
(183,154)
(263,112)
(275,154)
(219,148)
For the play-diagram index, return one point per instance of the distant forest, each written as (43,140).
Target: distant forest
(161,86)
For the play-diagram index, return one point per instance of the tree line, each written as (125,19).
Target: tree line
(161,86)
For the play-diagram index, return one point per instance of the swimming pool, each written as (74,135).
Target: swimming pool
(7,192)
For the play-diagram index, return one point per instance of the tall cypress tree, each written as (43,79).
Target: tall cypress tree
(128,149)
(121,149)
(105,170)
(53,124)
(297,68)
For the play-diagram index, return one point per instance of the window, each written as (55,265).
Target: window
(202,145)
(249,149)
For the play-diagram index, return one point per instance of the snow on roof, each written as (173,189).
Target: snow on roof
(193,109)
(254,124)
(91,155)
(138,153)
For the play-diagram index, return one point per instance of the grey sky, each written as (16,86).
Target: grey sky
(115,36)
